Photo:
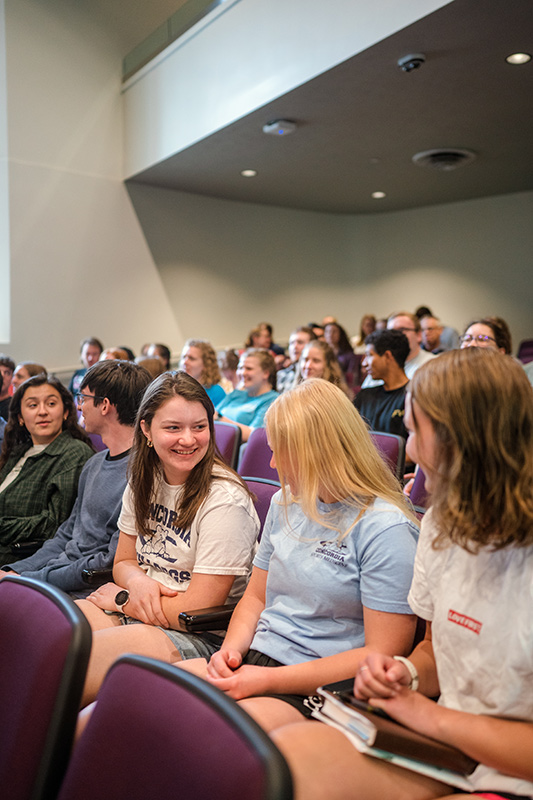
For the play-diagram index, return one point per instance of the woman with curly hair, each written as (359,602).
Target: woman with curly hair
(43,452)
(199,360)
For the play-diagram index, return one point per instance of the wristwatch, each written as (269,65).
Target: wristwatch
(121,598)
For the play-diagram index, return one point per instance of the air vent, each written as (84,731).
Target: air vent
(445,160)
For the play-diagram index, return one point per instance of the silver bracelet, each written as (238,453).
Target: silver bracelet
(413,672)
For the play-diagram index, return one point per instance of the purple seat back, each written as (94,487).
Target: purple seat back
(525,351)
(197,742)
(46,643)
(255,461)
(264,490)
(392,448)
(228,439)
(419,496)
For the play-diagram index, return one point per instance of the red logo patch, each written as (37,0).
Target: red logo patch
(465,622)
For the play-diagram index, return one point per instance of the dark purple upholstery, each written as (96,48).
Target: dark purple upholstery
(525,351)
(45,643)
(255,461)
(264,490)
(160,732)
(418,496)
(392,448)
(228,439)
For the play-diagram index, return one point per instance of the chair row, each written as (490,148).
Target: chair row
(206,744)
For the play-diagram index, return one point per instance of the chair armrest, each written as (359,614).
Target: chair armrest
(96,577)
(206,619)
(23,549)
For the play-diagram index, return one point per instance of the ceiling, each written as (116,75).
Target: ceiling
(360,123)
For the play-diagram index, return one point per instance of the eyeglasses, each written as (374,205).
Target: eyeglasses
(480,339)
(405,330)
(81,398)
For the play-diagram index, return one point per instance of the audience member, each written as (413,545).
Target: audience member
(317,329)
(349,362)
(472,581)
(247,407)
(318,361)
(199,360)
(381,324)
(129,352)
(491,332)
(153,365)
(7,367)
(109,396)
(383,406)
(366,327)
(161,351)
(187,533)
(43,453)
(449,338)
(228,362)
(529,371)
(297,341)
(410,325)
(431,328)
(114,354)
(333,569)
(25,370)
(90,351)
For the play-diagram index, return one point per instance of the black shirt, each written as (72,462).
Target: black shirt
(383,410)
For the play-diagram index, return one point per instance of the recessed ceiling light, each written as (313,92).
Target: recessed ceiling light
(249,173)
(518,58)
(378,195)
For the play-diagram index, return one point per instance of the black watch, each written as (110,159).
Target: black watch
(121,598)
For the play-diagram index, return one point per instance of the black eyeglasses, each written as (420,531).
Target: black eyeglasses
(81,398)
(480,339)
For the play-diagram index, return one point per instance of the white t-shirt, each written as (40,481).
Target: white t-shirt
(221,540)
(481,610)
(15,472)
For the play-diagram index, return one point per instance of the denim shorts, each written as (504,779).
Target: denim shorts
(188,645)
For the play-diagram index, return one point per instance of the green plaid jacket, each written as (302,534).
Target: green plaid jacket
(42,496)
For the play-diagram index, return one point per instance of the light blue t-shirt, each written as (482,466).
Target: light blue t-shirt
(241,407)
(215,392)
(317,586)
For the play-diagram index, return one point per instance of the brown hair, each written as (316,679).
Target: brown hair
(16,435)
(144,469)
(266,362)
(332,371)
(481,408)
(500,329)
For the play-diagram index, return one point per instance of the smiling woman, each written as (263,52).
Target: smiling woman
(42,456)
(187,533)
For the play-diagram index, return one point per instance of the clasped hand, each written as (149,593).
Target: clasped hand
(226,671)
(144,602)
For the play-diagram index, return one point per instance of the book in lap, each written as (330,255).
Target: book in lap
(373,732)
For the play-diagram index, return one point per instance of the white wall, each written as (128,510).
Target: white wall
(226,266)
(79,261)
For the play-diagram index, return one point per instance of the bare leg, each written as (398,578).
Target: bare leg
(324,764)
(271,713)
(98,619)
(198,666)
(109,644)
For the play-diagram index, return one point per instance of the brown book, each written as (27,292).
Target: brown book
(377,730)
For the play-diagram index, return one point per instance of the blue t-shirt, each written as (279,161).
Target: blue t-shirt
(241,407)
(317,585)
(215,392)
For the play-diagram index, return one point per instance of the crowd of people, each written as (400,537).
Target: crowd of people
(341,574)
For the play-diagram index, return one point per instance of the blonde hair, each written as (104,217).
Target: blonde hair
(481,408)
(211,372)
(332,369)
(315,431)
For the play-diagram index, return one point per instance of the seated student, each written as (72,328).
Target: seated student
(228,362)
(187,533)
(43,453)
(114,354)
(159,351)
(366,327)
(199,360)
(90,351)
(349,362)
(383,406)
(261,337)
(318,361)
(432,328)
(333,569)
(109,396)
(7,367)
(25,370)
(247,407)
(297,341)
(491,332)
(472,583)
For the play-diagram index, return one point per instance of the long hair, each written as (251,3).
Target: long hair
(332,370)
(16,435)
(316,433)
(481,409)
(211,372)
(344,343)
(144,469)
(362,334)
(266,362)
(500,329)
